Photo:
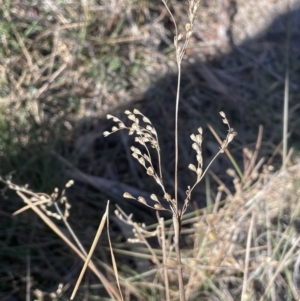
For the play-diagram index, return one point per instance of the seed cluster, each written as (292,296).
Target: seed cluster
(197,146)
(146,136)
(180,49)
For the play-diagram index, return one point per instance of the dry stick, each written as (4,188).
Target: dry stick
(109,287)
(247,258)
(88,258)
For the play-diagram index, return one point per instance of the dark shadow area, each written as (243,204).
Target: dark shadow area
(247,84)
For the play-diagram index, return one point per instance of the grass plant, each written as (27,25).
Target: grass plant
(57,70)
(148,135)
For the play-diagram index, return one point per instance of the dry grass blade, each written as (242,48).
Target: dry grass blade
(254,156)
(109,287)
(88,258)
(280,268)
(112,254)
(286,96)
(28,207)
(51,79)
(19,39)
(247,257)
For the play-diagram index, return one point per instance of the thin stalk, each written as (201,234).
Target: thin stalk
(286,97)
(164,251)
(285,119)
(178,59)
(177,214)
(176,134)
(28,274)
(247,258)
(78,243)
(208,195)
(177,249)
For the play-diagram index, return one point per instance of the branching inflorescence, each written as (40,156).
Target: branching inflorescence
(146,136)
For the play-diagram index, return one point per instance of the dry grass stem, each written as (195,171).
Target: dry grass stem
(165,255)
(147,135)
(89,255)
(112,253)
(246,268)
(30,201)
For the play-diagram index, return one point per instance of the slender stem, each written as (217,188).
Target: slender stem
(177,249)
(79,245)
(159,163)
(164,251)
(176,132)
(247,258)
(286,97)
(172,17)
(179,55)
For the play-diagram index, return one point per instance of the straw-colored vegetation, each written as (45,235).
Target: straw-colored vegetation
(206,216)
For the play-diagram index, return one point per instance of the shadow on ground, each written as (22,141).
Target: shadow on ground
(247,84)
